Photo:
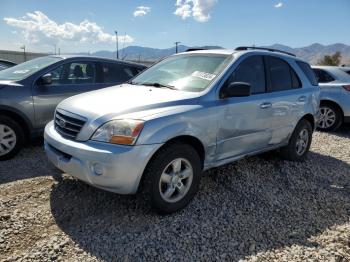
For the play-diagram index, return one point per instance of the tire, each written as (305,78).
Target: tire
(293,150)
(163,175)
(11,138)
(331,118)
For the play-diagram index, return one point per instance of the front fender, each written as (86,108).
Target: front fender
(201,124)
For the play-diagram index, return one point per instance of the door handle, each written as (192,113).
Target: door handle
(302,99)
(265,105)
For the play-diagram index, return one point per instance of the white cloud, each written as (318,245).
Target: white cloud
(278,5)
(198,9)
(142,10)
(39,28)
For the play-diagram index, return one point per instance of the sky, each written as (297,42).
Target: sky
(89,26)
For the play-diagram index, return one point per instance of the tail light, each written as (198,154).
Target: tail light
(347,87)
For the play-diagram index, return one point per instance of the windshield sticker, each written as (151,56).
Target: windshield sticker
(21,71)
(204,75)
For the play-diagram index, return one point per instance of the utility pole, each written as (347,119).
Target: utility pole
(116,43)
(24,52)
(176,44)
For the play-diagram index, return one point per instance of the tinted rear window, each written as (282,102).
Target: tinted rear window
(116,73)
(282,76)
(306,68)
(322,76)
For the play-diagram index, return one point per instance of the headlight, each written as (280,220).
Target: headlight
(124,132)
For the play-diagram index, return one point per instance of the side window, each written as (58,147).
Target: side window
(131,71)
(74,73)
(57,75)
(322,76)
(251,70)
(282,76)
(115,73)
(82,73)
(306,68)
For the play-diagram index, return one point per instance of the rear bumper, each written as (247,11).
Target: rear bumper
(110,167)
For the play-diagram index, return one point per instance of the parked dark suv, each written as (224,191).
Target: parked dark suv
(30,92)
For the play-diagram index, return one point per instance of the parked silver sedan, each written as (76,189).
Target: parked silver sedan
(335,96)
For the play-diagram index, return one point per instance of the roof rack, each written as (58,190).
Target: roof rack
(195,49)
(241,48)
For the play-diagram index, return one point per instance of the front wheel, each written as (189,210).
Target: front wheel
(172,178)
(299,143)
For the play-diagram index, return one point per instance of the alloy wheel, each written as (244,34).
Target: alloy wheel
(302,142)
(8,139)
(176,180)
(327,117)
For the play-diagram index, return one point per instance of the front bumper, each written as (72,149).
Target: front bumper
(115,168)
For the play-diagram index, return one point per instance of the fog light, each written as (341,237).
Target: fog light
(98,169)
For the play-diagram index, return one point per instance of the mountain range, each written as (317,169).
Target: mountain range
(312,53)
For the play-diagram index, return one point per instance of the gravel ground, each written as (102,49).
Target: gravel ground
(257,209)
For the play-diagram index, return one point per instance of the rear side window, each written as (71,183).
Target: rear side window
(282,76)
(116,73)
(348,72)
(322,76)
(251,71)
(306,68)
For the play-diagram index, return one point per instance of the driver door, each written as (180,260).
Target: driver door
(67,80)
(246,123)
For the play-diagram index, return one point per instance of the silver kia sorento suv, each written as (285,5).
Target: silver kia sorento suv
(188,113)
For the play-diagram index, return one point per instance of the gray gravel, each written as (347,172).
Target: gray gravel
(258,209)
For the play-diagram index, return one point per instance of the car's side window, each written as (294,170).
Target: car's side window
(306,68)
(82,73)
(282,75)
(322,76)
(57,75)
(251,71)
(115,73)
(74,73)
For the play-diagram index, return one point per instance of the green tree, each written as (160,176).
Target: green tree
(331,60)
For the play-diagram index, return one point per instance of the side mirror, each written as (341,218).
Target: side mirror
(45,80)
(236,89)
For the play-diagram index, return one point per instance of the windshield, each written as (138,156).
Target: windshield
(25,69)
(190,72)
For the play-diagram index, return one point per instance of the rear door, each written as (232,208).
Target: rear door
(67,80)
(287,98)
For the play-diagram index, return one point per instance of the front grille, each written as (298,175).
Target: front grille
(67,125)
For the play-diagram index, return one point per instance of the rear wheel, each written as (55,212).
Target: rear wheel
(11,138)
(330,118)
(299,143)
(172,178)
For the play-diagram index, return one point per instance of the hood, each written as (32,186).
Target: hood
(135,100)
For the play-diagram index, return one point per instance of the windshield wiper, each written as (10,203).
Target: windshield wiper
(154,85)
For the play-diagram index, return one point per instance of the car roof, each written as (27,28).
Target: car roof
(99,58)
